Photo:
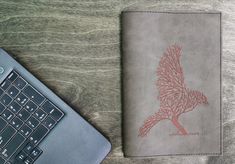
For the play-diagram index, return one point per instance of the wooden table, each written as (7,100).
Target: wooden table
(74,48)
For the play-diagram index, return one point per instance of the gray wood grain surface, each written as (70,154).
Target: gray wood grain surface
(73,46)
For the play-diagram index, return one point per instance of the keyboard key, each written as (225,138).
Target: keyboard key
(11,147)
(5,100)
(1,92)
(6,135)
(12,91)
(23,115)
(16,123)
(51,109)
(14,107)
(40,114)
(30,106)
(28,160)
(33,94)
(28,148)
(2,108)
(7,115)
(21,156)
(2,161)
(19,83)
(5,84)
(22,99)
(49,122)
(32,122)
(12,76)
(3,124)
(35,153)
(38,134)
(25,130)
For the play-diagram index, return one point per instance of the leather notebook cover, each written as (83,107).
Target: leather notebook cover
(171,83)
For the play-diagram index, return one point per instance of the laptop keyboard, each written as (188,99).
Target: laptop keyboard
(26,117)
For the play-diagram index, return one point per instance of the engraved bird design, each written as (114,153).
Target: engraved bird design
(175,99)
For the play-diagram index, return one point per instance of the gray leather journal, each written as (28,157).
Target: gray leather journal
(171,83)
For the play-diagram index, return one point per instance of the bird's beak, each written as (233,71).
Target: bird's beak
(206,102)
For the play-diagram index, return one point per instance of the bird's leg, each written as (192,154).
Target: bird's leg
(178,126)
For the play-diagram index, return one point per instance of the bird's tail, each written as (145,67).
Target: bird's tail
(149,123)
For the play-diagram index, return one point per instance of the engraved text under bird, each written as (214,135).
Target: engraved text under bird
(175,98)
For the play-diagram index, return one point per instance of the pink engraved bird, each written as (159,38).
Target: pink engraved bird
(175,99)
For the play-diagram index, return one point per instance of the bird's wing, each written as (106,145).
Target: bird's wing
(170,82)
